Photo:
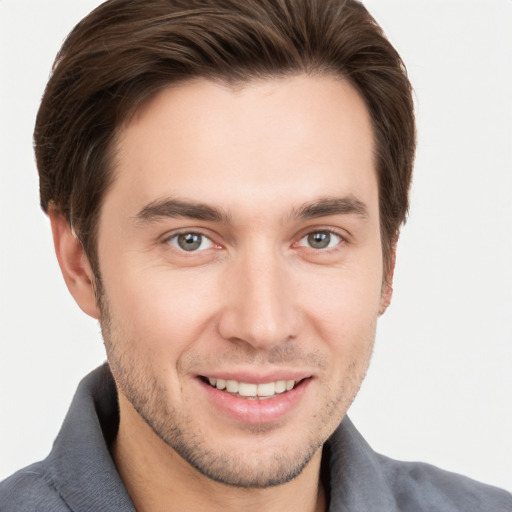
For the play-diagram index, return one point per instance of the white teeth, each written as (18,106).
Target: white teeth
(232,386)
(245,389)
(280,386)
(267,389)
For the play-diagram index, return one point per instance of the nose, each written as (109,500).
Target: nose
(259,301)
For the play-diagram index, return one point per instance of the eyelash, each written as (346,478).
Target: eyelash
(330,234)
(204,238)
(176,236)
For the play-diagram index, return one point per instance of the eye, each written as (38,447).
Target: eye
(190,242)
(320,240)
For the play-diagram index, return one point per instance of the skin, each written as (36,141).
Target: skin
(277,160)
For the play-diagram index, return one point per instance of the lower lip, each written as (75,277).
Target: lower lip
(256,411)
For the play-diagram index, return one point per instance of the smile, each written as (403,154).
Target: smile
(247,390)
(256,400)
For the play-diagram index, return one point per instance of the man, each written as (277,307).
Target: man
(226,182)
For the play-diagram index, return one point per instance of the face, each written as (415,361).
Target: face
(241,265)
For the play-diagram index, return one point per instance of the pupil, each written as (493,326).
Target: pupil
(319,240)
(190,241)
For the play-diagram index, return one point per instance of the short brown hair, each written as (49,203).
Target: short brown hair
(127,50)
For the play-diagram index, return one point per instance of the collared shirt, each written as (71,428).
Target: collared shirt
(79,475)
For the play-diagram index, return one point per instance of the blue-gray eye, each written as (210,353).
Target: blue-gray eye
(190,242)
(320,240)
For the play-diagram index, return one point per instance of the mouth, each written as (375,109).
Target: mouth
(258,400)
(260,391)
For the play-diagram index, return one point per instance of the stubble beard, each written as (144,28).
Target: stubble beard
(135,380)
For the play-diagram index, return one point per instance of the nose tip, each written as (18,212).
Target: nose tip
(259,308)
(260,327)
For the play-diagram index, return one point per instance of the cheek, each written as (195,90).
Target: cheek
(343,314)
(159,309)
(343,301)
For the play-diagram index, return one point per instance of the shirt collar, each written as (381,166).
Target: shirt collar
(357,481)
(82,468)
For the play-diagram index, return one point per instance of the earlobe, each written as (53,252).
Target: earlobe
(387,286)
(74,264)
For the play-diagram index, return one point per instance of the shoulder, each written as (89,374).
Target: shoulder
(30,490)
(419,486)
(363,480)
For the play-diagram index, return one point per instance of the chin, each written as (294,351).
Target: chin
(251,470)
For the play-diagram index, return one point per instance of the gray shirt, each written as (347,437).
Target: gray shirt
(79,475)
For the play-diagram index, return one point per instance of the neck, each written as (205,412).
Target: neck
(157,478)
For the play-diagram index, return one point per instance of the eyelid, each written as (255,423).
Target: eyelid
(168,237)
(343,238)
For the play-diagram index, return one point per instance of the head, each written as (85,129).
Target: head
(193,148)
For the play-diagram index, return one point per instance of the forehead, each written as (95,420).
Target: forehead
(284,139)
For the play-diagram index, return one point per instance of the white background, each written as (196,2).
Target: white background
(440,384)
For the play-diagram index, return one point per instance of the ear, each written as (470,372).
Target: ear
(74,264)
(387,285)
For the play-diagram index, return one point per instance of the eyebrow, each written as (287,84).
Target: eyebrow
(175,208)
(326,206)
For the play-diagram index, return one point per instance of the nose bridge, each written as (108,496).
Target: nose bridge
(259,308)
